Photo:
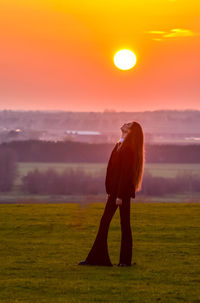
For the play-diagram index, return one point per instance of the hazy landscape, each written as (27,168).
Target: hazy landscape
(160,126)
(171,171)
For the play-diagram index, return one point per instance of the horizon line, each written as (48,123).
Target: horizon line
(103,111)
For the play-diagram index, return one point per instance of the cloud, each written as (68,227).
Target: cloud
(156,32)
(173,33)
(178,32)
(157,39)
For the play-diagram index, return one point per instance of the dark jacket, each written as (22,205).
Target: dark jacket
(119,174)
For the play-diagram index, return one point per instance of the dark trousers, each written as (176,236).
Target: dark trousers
(98,254)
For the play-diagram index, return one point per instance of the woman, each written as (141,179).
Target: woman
(123,179)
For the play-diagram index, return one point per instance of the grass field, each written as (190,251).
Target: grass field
(40,246)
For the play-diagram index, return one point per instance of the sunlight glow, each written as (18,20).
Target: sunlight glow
(125,59)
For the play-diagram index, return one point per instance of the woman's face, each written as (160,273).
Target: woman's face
(125,128)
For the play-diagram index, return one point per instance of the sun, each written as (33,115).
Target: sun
(125,59)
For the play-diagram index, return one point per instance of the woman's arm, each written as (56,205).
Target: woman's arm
(125,175)
(108,169)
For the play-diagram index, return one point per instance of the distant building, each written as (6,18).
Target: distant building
(85,136)
(8,135)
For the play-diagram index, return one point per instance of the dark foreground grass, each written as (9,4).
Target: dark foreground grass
(41,245)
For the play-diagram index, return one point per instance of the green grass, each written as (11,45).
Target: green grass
(40,246)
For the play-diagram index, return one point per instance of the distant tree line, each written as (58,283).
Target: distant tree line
(8,169)
(70,181)
(160,186)
(76,181)
(69,151)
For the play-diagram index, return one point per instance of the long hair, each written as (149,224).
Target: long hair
(135,140)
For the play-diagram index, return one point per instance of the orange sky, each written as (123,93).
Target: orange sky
(58,54)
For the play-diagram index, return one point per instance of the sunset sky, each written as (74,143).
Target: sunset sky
(58,54)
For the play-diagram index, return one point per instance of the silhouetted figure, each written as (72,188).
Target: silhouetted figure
(123,177)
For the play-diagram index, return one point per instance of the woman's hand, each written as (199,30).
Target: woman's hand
(119,201)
